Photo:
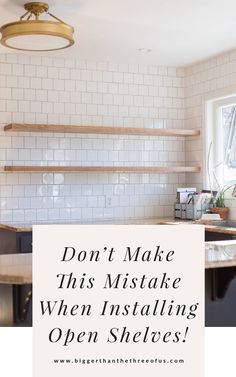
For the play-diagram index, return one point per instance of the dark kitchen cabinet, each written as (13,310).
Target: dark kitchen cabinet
(22,305)
(220,290)
(15,242)
(216,236)
(12,242)
(220,297)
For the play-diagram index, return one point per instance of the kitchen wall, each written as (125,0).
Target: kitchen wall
(207,80)
(35,89)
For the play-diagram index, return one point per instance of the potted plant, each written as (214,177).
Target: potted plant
(218,203)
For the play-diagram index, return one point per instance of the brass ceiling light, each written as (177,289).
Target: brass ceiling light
(37,35)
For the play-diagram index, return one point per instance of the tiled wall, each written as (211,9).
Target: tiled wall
(36,89)
(208,80)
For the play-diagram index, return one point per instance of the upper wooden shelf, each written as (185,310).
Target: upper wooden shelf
(112,169)
(16,127)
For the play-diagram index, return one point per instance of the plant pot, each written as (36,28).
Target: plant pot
(223,212)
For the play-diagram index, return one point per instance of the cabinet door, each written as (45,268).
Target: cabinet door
(215,236)
(24,242)
(7,242)
(22,305)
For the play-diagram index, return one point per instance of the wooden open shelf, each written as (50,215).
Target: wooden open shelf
(112,169)
(16,127)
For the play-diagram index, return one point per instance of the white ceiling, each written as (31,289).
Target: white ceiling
(179,32)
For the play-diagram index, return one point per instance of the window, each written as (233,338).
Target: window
(221,140)
(228,123)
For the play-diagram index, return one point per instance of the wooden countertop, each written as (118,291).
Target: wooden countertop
(208,227)
(24,227)
(16,269)
(218,229)
(14,227)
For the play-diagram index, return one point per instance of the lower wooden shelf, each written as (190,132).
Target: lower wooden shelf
(15,127)
(112,169)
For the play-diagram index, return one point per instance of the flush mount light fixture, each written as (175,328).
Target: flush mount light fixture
(36,34)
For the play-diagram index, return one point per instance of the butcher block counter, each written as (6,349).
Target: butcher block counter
(221,227)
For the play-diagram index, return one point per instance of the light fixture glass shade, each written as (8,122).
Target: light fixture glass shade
(33,42)
(37,35)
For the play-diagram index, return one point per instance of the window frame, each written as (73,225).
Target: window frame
(214,134)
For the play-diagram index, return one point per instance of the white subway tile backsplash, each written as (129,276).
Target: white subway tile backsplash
(5,69)
(41,95)
(54,90)
(12,81)
(35,83)
(41,71)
